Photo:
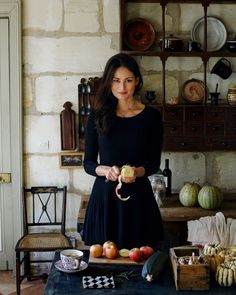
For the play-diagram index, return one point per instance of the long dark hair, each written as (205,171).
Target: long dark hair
(105,102)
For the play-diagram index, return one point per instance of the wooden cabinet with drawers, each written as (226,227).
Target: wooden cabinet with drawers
(199,128)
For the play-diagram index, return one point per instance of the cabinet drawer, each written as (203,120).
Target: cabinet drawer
(220,144)
(213,114)
(173,129)
(231,129)
(183,144)
(173,114)
(231,114)
(194,114)
(194,129)
(214,129)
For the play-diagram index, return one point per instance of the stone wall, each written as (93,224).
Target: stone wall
(65,40)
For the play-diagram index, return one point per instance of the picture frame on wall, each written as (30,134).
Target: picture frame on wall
(71,160)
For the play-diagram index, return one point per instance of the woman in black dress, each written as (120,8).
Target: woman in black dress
(120,131)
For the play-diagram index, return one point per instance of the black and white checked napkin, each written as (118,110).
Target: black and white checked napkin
(98,282)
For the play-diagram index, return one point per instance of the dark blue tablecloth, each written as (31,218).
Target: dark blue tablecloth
(60,283)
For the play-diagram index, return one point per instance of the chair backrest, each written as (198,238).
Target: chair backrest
(44,209)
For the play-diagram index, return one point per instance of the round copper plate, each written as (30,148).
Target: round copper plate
(193,91)
(139,34)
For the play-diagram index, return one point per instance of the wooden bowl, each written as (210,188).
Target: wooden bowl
(139,34)
(193,91)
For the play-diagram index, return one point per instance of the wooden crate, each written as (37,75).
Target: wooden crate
(189,277)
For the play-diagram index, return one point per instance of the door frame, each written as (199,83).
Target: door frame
(12,10)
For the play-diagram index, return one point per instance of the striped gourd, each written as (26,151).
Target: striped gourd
(210,197)
(188,194)
(212,249)
(225,275)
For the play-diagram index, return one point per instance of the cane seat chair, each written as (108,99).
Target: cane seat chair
(44,210)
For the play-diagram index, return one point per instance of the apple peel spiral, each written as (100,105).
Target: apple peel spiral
(126,171)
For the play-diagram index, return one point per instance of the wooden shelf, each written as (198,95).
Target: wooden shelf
(172,209)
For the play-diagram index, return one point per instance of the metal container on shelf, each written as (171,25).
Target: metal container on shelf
(232,95)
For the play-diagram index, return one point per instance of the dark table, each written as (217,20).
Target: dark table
(60,283)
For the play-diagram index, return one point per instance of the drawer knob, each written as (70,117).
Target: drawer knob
(224,143)
(173,128)
(183,144)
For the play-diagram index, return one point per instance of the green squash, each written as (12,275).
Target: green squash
(210,197)
(154,265)
(188,195)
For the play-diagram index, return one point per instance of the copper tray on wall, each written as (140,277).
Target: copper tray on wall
(139,34)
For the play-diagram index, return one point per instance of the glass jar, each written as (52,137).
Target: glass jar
(158,187)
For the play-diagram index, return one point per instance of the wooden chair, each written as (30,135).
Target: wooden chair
(44,228)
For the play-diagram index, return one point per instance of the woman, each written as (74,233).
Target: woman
(121,130)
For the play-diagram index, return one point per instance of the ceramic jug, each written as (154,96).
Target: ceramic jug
(222,68)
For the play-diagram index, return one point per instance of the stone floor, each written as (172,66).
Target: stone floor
(8,285)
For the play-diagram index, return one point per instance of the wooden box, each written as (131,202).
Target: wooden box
(189,277)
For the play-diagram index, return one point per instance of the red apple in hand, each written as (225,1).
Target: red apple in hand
(135,254)
(147,251)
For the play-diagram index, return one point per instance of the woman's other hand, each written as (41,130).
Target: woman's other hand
(111,173)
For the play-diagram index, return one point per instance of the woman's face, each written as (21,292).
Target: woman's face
(123,84)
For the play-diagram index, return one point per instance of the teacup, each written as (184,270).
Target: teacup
(71,258)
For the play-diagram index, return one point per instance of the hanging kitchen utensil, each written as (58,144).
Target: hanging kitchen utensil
(67,124)
(82,107)
(88,88)
(222,68)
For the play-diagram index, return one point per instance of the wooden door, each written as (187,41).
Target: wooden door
(10,133)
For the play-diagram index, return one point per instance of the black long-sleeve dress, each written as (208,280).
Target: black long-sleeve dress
(136,141)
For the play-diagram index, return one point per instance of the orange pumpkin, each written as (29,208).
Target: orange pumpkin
(214,261)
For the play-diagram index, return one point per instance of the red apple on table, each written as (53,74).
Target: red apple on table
(96,250)
(111,251)
(135,254)
(147,251)
(107,243)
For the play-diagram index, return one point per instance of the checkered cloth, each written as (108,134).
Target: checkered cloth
(98,282)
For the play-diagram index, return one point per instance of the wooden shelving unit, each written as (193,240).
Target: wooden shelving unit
(188,127)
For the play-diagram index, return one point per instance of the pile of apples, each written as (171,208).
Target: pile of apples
(110,250)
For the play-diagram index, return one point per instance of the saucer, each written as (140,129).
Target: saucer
(60,267)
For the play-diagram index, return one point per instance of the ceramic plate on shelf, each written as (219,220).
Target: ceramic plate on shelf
(139,34)
(60,267)
(193,91)
(216,33)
